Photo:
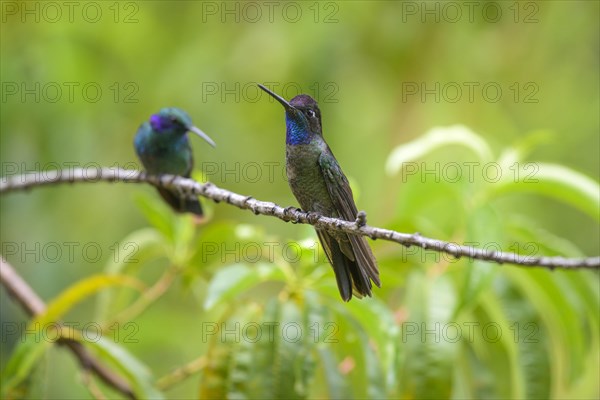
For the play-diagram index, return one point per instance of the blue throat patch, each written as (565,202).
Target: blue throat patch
(297,132)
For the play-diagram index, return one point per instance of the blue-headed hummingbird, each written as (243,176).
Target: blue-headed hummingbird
(162,145)
(320,186)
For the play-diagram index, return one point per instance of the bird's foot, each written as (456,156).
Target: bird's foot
(167,183)
(289,216)
(181,192)
(313,217)
(251,205)
(361,219)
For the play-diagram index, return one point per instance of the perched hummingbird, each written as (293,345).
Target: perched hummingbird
(319,185)
(162,145)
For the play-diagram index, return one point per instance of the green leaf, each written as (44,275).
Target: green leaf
(68,298)
(233,280)
(434,139)
(129,257)
(552,180)
(484,230)
(521,149)
(380,335)
(422,206)
(372,363)
(566,347)
(214,381)
(157,213)
(24,359)
(140,245)
(586,384)
(529,338)
(210,242)
(265,350)
(503,354)
(137,373)
(536,240)
(429,355)
(251,355)
(289,354)
(338,388)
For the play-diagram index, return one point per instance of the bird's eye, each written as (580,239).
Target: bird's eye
(311,113)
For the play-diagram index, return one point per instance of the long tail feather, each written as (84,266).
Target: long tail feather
(353,276)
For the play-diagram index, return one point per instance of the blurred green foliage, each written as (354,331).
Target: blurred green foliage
(438,327)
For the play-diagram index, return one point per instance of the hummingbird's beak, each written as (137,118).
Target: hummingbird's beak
(203,135)
(277,97)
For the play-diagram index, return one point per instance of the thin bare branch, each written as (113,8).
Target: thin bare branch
(182,373)
(358,227)
(33,305)
(148,297)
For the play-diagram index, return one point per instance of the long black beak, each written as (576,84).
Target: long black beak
(277,97)
(203,135)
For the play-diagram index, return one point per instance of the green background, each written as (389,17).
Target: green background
(359,60)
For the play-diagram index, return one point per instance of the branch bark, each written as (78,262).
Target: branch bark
(33,305)
(190,187)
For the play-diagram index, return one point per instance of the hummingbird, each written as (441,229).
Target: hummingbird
(320,186)
(162,145)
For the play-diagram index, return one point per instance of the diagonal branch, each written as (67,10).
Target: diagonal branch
(358,227)
(33,305)
(181,373)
